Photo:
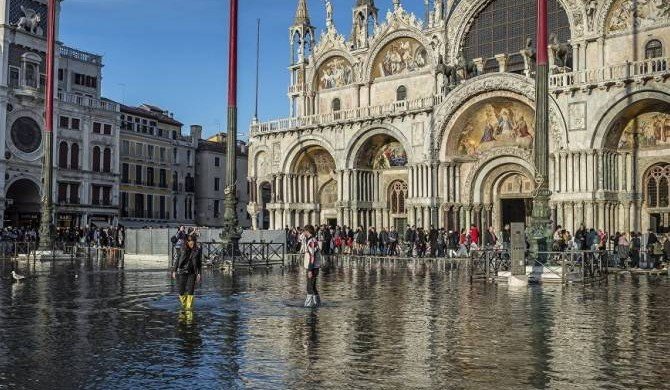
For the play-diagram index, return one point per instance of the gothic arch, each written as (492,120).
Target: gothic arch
(466,11)
(617,105)
(385,39)
(363,135)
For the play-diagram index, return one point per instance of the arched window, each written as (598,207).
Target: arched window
(336,105)
(62,155)
(96,159)
(107,160)
(401,93)
(502,28)
(658,186)
(74,156)
(653,49)
(397,196)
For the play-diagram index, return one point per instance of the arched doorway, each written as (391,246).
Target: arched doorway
(23,204)
(311,180)
(379,183)
(265,198)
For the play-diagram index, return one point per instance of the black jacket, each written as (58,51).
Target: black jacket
(190,261)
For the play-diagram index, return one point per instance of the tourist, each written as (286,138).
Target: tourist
(187,271)
(372,241)
(635,246)
(409,240)
(383,242)
(312,264)
(622,249)
(393,242)
(474,236)
(490,238)
(580,238)
(666,248)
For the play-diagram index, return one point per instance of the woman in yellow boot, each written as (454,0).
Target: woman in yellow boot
(187,272)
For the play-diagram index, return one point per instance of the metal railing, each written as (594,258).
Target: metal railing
(488,263)
(61,251)
(245,255)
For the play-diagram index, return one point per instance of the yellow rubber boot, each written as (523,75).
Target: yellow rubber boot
(189,302)
(182,300)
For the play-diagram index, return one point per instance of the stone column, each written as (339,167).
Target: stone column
(503,60)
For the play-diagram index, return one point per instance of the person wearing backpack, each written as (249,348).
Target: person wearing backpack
(312,263)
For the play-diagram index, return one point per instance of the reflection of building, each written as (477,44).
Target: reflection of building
(87,133)
(157,168)
(462,114)
(210,181)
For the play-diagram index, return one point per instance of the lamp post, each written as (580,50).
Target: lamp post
(539,229)
(46,223)
(230,235)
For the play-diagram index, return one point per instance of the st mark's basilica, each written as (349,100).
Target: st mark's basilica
(429,120)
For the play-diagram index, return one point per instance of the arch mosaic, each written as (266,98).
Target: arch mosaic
(381,44)
(466,11)
(333,70)
(620,16)
(617,107)
(360,138)
(293,150)
(400,56)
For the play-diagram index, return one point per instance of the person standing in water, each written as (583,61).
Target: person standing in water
(312,263)
(187,272)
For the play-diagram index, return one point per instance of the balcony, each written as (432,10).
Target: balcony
(89,102)
(68,52)
(352,115)
(613,75)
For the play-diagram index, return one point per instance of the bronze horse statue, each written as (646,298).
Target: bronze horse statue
(449,72)
(561,51)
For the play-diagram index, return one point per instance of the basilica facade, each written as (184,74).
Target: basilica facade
(431,120)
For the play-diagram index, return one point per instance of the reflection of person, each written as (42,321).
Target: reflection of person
(312,263)
(187,272)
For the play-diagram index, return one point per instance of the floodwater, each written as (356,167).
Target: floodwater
(402,326)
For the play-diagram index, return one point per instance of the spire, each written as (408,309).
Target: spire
(360,3)
(301,14)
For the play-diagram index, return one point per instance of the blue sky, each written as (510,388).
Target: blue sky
(174,53)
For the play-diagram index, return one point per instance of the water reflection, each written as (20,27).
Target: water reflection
(390,326)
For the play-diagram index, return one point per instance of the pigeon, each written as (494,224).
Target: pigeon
(17,277)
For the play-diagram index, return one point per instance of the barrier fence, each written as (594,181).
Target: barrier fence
(61,251)
(245,255)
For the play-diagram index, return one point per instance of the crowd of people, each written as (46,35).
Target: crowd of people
(90,236)
(632,250)
(413,242)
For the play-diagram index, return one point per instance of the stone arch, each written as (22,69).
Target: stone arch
(379,44)
(474,187)
(254,151)
(261,164)
(467,10)
(25,193)
(303,142)
(363,135)
(617,108)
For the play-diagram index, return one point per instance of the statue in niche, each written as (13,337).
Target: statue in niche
(591,9)
(30,21)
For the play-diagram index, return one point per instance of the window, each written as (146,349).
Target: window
(125,148)
(108,129)
(163,178)
(653,49)
(62,193)
(96,127)
(217,161)
(74,156)
(107,160)
(150,151)
(31,75)
(189,183)
(64,122)
(502,27)
(107,196)
(124,204)
(150,177)
(175,181)
(658,186)
(14,76)
(217,184)
(174,155)
(161,208)
(336,105)
(62,155)
(397,196)
(138,174)
(85,81)
(139,206)
(188,157)
(61,74)
(150,206)
(162,156)
(96,159)
(216,209)
(74,125)
(95,195)
(125,173)
(401,93)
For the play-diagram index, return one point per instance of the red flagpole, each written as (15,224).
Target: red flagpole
(232,56)
(542,45)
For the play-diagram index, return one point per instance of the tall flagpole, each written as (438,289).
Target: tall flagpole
(541,212)
(230,234)
(46,223)
(258,54)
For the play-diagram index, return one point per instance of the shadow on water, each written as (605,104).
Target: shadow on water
(410,325)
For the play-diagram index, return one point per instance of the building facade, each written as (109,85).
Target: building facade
(86,137)
(157,169)
(431,122)
(211,179)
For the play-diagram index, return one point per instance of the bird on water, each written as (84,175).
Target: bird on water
(17,277)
